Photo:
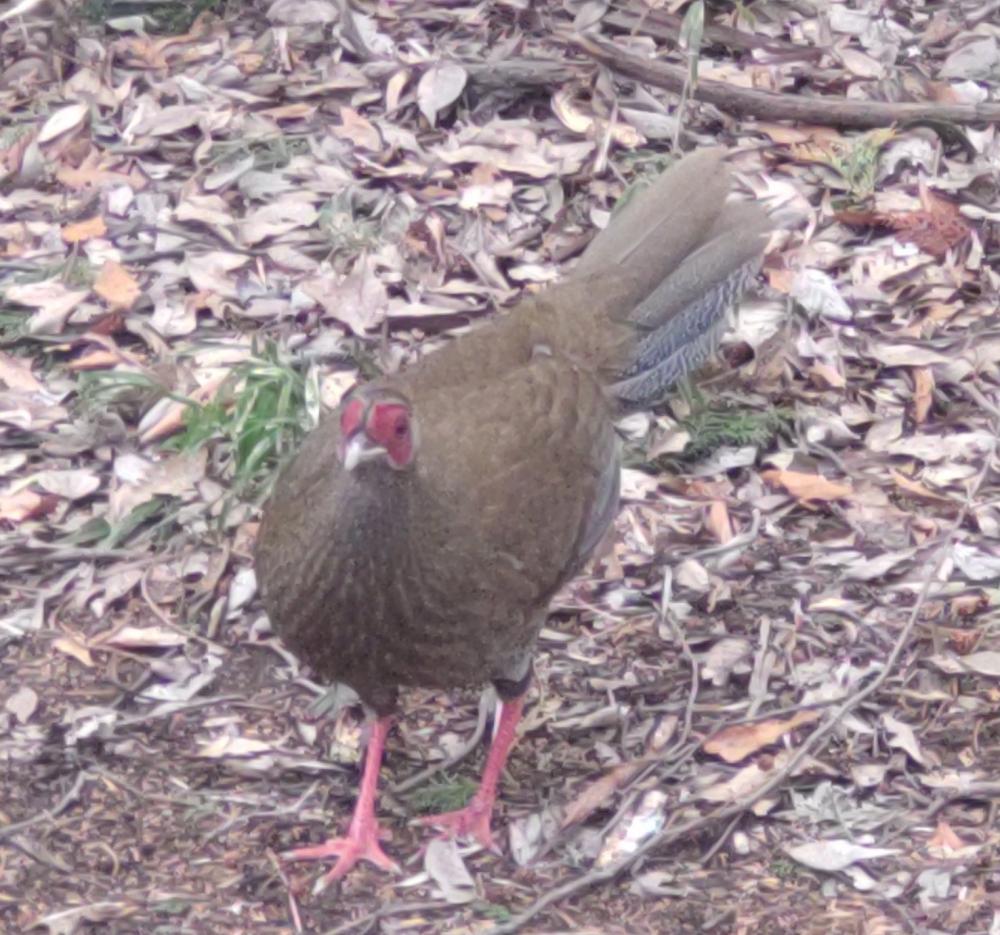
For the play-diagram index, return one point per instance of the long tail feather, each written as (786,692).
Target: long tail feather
(679,255)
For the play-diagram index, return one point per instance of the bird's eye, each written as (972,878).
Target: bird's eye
(402,428)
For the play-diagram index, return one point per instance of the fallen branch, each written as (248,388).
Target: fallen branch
(667,28)
(769,105)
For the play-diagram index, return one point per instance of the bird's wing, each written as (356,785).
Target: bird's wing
(529,461)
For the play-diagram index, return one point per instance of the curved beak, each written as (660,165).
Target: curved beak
(360,448)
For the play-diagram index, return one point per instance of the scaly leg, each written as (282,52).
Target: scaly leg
(362,840)
(474,820)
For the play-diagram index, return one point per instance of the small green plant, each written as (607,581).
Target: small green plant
(348,224)
(171,17)
(155,519)
(692,33)
(744,14)
(443,796)
(711,429)
(257,419)
(784,869)
(125,392)
(269,152)
(856,160)
(13,325)
(493,911)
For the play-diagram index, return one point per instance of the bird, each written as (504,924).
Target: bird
(419,534)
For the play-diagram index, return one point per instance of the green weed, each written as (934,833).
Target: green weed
(256,420)
(442,796)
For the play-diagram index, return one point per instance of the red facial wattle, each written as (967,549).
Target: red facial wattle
(389,427)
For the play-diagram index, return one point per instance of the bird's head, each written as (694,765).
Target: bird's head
(376,425)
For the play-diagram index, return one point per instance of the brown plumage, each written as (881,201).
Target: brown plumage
(422,530)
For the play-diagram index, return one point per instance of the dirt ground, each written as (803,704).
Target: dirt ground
(772,706)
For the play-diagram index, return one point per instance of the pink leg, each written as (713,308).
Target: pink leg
(474,820)
(362,841)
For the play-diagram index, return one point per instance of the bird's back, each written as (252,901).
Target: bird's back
(646,301)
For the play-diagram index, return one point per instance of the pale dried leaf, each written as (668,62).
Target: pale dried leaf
(444,865)
(66,118)
(836,854)
(439,87)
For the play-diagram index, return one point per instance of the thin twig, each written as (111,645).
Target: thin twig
(167,622)
(477,735)
(67,799)
(665,617)
(382,912)
(293,905)
(294,809)
(737,808)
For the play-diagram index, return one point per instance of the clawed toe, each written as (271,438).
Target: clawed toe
(473,822)
(347,852)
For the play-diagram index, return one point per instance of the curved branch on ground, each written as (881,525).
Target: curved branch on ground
(770,105)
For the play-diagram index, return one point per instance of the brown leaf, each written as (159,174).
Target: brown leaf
(94,360)
(807,486)
(967,605)
(923,393)
(964,641)
(25,504)
(936,229)
(595,794)
(116,285)
(747,780)
(85,230)
(827,377)
(297,111)
(945,838)
(95,170)
(737,742)
(718,521)
(358,130)
(170,418)
(915,488)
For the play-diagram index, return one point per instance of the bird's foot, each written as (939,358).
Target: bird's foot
(473,821)
(358,845)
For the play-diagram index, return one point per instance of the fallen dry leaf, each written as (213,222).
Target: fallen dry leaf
(737,742)
(923,393)
(597,794)
(116,285)
(79,231)
(807,486)
(718,521)
(66,118)
(945,838)
(72,648)
(915,488)
(16,374)
(25,504)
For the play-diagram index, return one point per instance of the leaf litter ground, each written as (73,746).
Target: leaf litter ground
(779,682)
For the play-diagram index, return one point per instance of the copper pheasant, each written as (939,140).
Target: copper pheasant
(420,533)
